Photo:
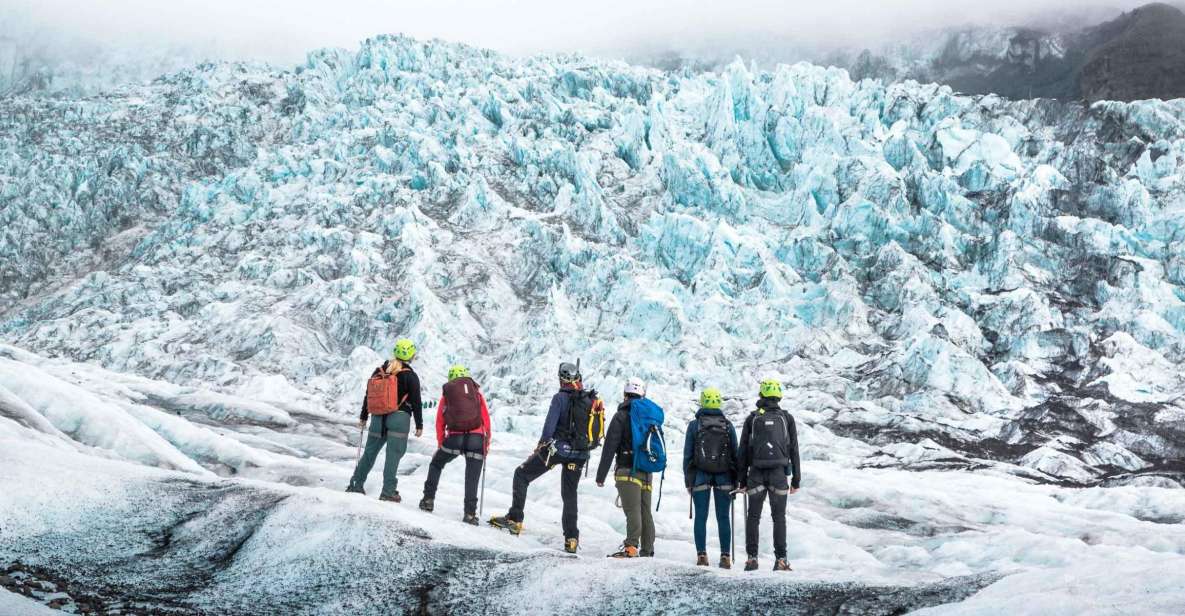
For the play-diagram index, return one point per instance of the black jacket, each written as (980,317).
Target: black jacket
(619,442)
(769,405)
(409,385)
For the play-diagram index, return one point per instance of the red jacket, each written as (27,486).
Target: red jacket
(442,433)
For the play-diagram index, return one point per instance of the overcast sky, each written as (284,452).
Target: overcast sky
(283,30)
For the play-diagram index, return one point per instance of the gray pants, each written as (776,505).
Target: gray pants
(635,491)
(397,427)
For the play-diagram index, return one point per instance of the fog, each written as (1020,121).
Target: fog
(282,31)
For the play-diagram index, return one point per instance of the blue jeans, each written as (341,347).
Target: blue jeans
(700,497)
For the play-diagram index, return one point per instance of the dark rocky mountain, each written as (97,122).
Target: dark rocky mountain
(1138,55)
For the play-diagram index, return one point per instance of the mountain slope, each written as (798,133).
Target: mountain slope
(1135,56)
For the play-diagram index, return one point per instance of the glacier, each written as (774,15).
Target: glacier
(977,307)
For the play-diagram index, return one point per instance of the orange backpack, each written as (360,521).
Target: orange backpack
(382,393)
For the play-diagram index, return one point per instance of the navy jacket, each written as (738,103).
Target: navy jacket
(557,415)
(694,477)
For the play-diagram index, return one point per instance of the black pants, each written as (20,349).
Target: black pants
(472,446)
(534,468)
(772,481)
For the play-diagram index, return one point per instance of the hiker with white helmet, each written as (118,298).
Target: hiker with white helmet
(630,441)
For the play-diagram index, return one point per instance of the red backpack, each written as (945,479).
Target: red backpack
(382,393)
(462,405)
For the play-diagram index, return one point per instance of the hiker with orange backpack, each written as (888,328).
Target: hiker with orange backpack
(392,401)
(462,429)
(574,426)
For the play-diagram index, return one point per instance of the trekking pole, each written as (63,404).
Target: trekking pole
(361,437)
(481,501)
(746,508)
(690,504)
(732,525)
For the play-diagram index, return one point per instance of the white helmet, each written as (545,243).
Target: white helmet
(635,386)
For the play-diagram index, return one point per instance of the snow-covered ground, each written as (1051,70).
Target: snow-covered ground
(275,533)
(977,306)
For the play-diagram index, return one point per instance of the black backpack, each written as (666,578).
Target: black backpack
(769,439)
(586,420)
(713,448)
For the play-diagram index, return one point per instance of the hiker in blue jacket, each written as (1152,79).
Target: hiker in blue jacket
(573,428)
(709,467)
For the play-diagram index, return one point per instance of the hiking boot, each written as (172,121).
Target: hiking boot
(645,554)
(751,564)
(392,499)
(725,561)
(355,490)
(782,565)
(515,528)
(470,519)
(626,551)
(571,544)
(701,559)
(426,504)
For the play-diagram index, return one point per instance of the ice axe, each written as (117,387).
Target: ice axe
(733,519)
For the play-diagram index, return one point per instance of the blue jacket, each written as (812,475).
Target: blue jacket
(694,477)
(557,415)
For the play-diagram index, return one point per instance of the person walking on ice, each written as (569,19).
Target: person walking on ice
(635,486)
(768,453)
(709,471)
(392,401)
(462,429)
(574,426)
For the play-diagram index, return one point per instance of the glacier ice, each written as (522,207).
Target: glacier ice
(981,294)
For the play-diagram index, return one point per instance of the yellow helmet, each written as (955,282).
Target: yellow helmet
(771,388)
(457,371)
(710,398)
(404,349)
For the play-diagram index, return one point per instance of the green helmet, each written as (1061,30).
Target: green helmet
(457,371)
(771,388)
(404,349)
(710,398)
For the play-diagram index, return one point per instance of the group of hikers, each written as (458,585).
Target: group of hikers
(763,462)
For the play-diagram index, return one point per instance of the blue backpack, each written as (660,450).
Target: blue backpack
(650,449)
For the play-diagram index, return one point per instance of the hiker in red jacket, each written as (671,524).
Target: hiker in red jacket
(462,429)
